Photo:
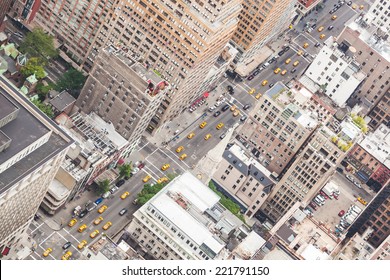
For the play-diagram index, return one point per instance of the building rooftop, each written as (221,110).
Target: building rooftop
(62,100)
(370,34)
(377,144)
(29,126)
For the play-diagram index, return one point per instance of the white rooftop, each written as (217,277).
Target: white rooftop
(313,253)
(196,194)
(240,154)
(378,144)
(250,245)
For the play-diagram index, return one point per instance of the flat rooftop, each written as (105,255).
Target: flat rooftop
(23,131)
(6,107)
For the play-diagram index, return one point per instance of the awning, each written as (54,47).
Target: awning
(206,94)
(6,251)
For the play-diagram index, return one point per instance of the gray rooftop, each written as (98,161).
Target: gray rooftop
(62,100)
(23,131)
(6,107)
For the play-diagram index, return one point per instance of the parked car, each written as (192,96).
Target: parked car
(123,211)
(350,178)
(243,118)
(120,183)
(339,169)
(341,213)
(313,205)
(114,189)
(357,184)
(247,106)
(83,213)
(98,201)
(216,114)
(223,135)
(225,108)
(106,194)
(66,245)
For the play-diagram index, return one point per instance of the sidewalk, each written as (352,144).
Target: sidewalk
(181,123)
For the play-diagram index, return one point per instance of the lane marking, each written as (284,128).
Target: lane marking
(143,146)
(37,228)
(174,161)
(180,161)
(46,239)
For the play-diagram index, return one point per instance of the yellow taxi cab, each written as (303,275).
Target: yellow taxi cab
(82,228)
(354,6)
(72,222)
(322,36)
(98,220)
(252,91)
(283,72)
(102,209)
(203,124)
(147,178)
(265,82)
(233,108)
(320,28)
(334,17)
(165,167)
(47,252)
(191,135)
(361,7)
(300,52)
(162,180)
(207,137)
(183,156)
(277,70)
(296,63)
(94,233)
(362,201)
(236,113)
(82,244)
(124,195)
(305,45)
(66,256)
(220,125)
(258,96)
(107,225)
(179,149)
(288,60)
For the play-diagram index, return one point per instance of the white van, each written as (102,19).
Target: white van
(320,198)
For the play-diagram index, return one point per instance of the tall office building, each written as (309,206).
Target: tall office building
(307,174)
(260,21)
(181,40)
(122,92)
(32,149)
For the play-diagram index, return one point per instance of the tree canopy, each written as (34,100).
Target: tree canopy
(72,81)
(44,108)
(35,66)
(102,187)
(39,44)
(124,170)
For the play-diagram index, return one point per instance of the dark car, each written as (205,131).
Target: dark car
(313,205)
(230,88)
(330,27)
(250,77)
(83,213)
(271,85)
(123,211)
(305,54)
(141,165)
(223,135)
(256,73)
(339,169)
(294,70)
(67,245)
(317,45)
(120,183)
(314,26)
(247,106)
(286,48)
(216,114)
(281,52)
(341,213)
(225,108)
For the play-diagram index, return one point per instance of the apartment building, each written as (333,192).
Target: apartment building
(378,15)
(277,127)
(309,171)
(32,150)
(335,71)
(370,158)
(243,179)
(124,92)
(380,113)
(260,22)
(375,216)
(372,52)
(305,7)
(185,221)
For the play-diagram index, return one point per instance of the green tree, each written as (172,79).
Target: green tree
(125,170)
(44,108)
(102,187)
(72,81)
(43,90)
(34,66)
(39,44)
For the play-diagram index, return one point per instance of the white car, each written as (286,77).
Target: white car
(106,194)
(350,178)
(217,104)
(212,108)
(357,184)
